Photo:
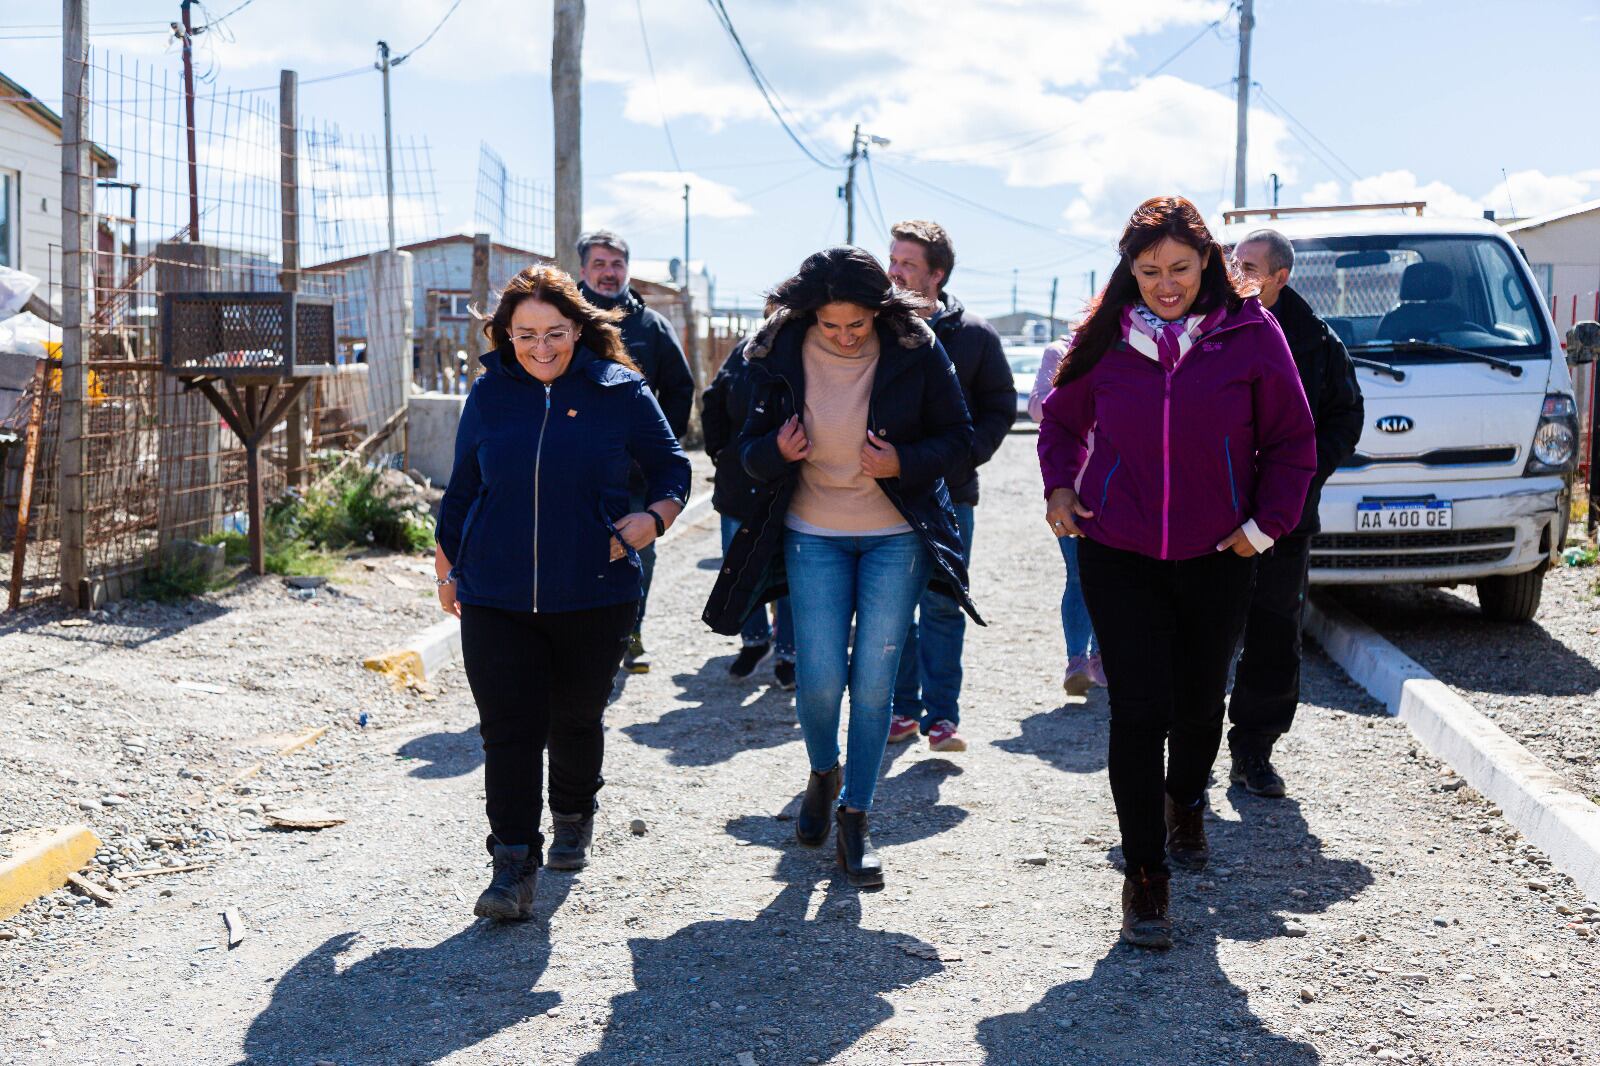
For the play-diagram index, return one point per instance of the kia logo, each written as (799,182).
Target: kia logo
(1394,424)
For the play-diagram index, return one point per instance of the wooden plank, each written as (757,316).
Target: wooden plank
(30,462)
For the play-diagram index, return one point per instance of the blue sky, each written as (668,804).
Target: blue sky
(1041,110)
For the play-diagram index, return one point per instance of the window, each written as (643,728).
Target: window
(453,305)
(10,236)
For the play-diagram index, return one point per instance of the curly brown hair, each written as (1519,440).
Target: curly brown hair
(597,329)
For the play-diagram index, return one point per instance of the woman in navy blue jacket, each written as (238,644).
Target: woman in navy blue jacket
(539,557)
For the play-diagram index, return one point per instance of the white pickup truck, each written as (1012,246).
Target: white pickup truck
(1462,473)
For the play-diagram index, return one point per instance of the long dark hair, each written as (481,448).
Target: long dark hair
(847,275)
(597,329)
(1157,219)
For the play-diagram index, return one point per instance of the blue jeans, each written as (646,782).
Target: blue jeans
(876,580)
(929,684)
(647,565)
(756,629)
(1075,624)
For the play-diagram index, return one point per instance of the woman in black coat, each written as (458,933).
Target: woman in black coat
(855,417)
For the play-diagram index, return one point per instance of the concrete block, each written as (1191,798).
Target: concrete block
(41,866)
(431,420)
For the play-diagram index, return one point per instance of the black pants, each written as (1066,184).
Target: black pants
(541,681)
(1167,631)
(1266,685)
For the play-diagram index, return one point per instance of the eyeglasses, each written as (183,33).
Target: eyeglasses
(554,338)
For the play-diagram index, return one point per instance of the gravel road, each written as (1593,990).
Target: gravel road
(1431,933)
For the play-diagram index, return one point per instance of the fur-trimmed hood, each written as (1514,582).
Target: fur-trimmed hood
(918,335)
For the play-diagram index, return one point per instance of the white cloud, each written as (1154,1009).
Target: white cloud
(646,199)
(1533,192)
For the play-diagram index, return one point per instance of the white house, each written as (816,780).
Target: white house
(1563,247)
(30,186)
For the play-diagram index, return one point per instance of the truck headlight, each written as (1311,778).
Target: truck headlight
(1555,442)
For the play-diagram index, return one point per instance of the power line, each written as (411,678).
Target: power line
(439,26)
(1159,67)
(1037,227)
(1278,105)
(213,23)
(661,106)
(872,183)
(768,93)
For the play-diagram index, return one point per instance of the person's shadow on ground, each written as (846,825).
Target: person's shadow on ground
(725,721)
(791,982)
(444,754)
(412,1005)
(1139,1007)
(1072,737)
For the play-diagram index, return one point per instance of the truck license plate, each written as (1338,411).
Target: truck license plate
(1391,516)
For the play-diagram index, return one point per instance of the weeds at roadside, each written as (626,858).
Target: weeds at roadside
(176,580)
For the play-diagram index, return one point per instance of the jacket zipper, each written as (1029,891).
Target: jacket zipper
(538,456)
(1166,459)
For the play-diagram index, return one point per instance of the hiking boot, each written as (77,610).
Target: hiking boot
(902,728)
(942,736)
(1254,771)
(1096,671)
(1077,681)
(571,836)
(636,660)
(862,867)
(750,657)
(816,807)
(783,673)
(509,897)
(1186,835)
(1145,898)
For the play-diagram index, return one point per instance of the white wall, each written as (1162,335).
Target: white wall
(1571,247)
(33,149)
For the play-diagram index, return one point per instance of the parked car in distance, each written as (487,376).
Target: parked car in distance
(1024,360)
(1463,471)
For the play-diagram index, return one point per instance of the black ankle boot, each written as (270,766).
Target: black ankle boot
(816,809)
(862,867)
(572,834)
(509,896)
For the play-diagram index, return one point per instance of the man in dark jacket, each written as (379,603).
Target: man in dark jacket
(653,345)
(927,695)
(1266,687)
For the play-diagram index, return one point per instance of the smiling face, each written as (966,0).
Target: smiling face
(606,270)
(909,269)
(1168,273)
(846,326)
(542,338)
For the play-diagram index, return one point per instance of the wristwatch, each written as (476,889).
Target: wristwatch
(661,527)
(443,581)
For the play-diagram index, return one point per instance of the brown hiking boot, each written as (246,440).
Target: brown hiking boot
(1186,835)
(1145,897)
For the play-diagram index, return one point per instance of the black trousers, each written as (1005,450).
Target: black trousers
(1266,683)
(1167,631)
(541,681)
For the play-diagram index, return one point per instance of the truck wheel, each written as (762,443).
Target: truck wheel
(1514,598)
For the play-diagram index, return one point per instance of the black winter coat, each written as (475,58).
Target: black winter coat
(653,346)
(1332,392)
(987,385)
(723,410)
(915,405)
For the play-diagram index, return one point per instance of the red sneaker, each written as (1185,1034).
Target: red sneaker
(943,737)
(902,729)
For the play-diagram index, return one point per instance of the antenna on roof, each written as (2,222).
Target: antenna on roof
(1507,179)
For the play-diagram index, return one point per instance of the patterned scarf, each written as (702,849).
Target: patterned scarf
(1165,342)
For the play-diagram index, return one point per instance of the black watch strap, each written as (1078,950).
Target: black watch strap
(661,527)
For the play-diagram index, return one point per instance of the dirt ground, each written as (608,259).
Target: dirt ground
(1431,933)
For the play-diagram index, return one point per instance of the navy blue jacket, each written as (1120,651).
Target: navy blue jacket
(540,478)
(915,404)
(988,386)
(653,346)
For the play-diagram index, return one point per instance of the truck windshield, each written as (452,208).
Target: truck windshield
(1379,292)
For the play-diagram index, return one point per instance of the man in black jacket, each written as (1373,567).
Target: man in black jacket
(928,691)
(1266,687)
(653,345)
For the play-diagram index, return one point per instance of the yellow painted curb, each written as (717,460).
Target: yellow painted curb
(43,867)
(402,665)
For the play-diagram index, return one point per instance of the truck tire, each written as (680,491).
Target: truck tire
(1514,598)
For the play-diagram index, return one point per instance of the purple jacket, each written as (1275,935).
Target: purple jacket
(1172,463)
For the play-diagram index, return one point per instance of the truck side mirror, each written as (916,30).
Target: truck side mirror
(1583,343)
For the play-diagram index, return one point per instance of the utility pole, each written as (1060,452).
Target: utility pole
(388,140)
(850,187)
(1092,289)
(1247,23)
(77,205)
(691,334)
(566,92)
(1277,186)
(686,236)
(1053,283)
(289,214)
(188,116)
(1013,290)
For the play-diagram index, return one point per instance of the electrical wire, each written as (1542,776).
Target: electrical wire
(424,43)
(650,61)
(213,23)
(1278,105)
(1037,227)
(91,34)
(768,93)
(1159,67)
(872,183)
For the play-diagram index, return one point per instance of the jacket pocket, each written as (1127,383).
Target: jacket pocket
(1233,482)
(468,524)
(1105,488)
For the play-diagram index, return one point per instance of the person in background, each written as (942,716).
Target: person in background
(855,416)
(927,692)
(723,410)
(1266,683)
(538,555)
(1177,443)
(653,345)
(1083,651)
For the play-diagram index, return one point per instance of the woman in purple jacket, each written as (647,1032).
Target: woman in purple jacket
(1177,443)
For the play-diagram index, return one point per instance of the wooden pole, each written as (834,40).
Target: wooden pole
(476,341)
(289,211)
(188,118)
(1241,150)
(30,462)
(77,202)
(566,91)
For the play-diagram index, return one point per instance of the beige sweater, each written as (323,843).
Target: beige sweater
(833,494)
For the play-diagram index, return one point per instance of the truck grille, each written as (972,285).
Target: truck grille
(1402,551)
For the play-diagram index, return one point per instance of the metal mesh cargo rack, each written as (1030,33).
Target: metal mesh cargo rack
(247,334)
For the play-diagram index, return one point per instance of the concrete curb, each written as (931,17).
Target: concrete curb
(1565,824)
(426,653)
(43,866)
